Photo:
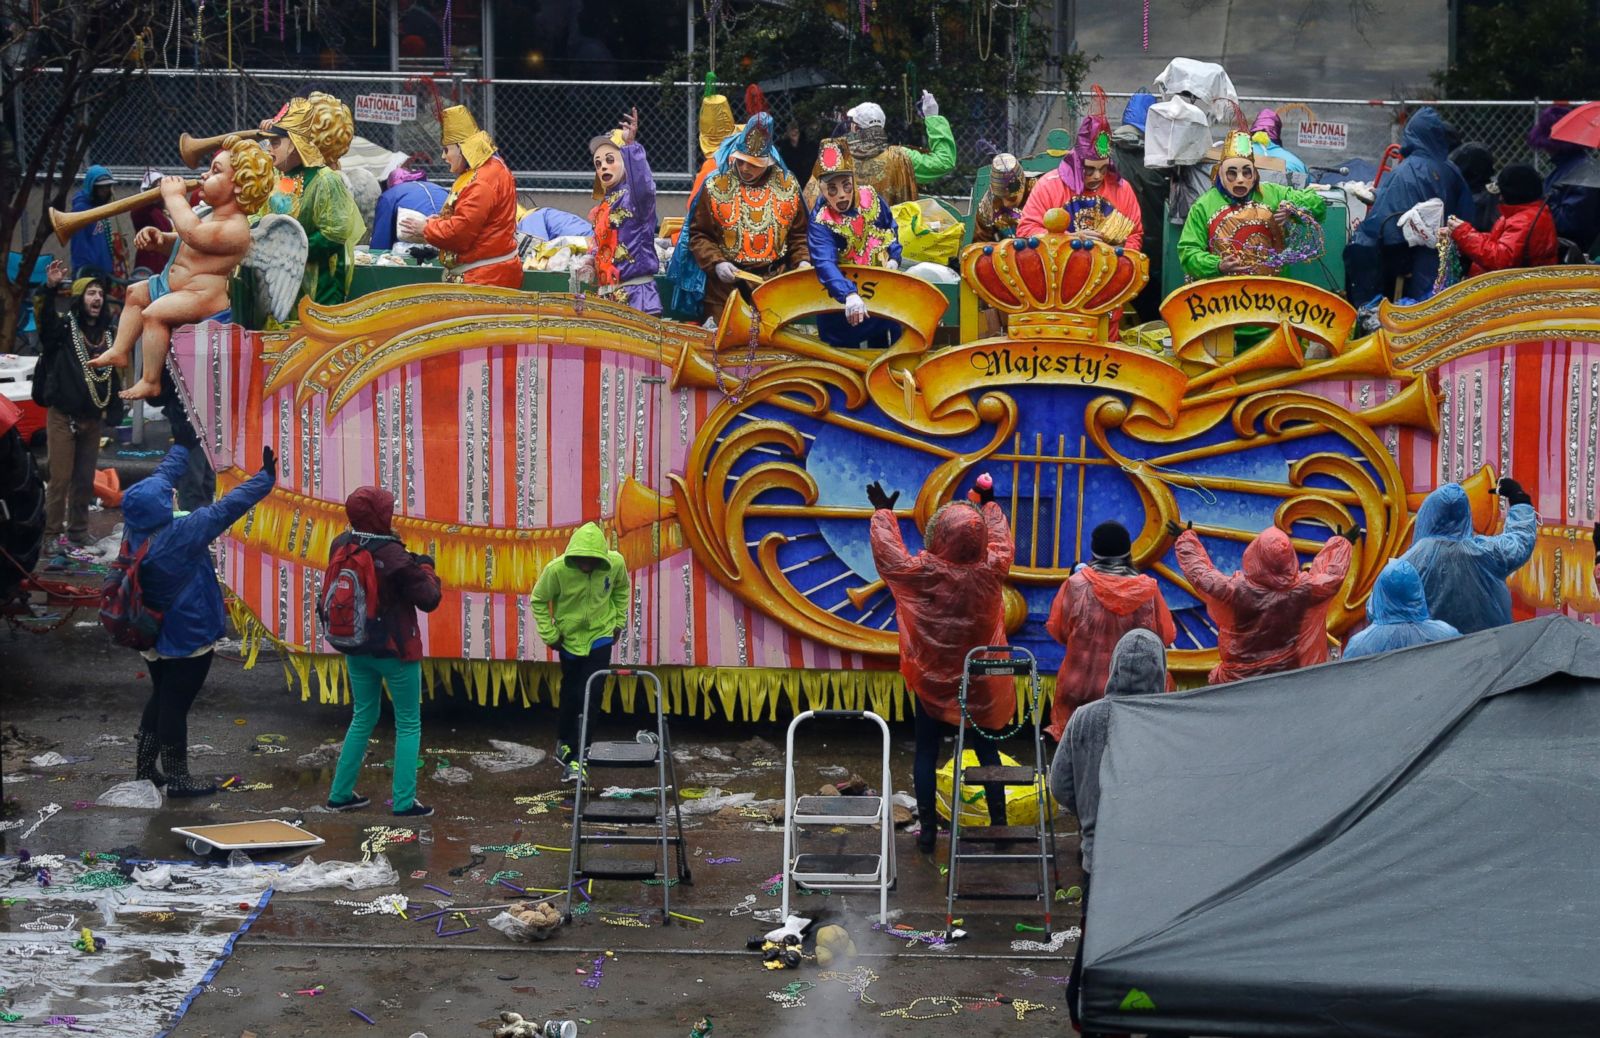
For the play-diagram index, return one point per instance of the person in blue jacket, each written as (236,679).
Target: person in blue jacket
(105,246)
(1464,573)
(547,224)
(1397,614)
(405,189)
(178,579)
(850,224)
(1378,252)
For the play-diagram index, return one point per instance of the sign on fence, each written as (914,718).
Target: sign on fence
(392,109)
(1332,136)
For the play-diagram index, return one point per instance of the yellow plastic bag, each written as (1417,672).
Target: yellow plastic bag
(1022,802)
(929,233)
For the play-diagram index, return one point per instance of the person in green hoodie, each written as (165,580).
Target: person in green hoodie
(580,604)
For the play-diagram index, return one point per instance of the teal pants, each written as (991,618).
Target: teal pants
(368,676)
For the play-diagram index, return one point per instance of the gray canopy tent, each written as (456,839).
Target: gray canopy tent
(1403,844)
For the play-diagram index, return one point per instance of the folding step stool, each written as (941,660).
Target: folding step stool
(839,871)
(641,813)
(1008,840)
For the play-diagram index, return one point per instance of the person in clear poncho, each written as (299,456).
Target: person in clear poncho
(948,601)
(1397,614)
(1270,615)
(1464,573)
(1104,600)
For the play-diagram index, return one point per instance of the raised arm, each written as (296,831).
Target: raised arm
(1002,550)
(940,157)
(1198,568)
(1328,569)
(1513,547)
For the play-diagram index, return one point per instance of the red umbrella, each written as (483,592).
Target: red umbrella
(1579,126)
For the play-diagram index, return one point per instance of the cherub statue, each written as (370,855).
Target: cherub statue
(212,242)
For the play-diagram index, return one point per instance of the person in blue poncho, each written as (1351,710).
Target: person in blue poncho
(1575,206)
(1464,573)
(405,189)
(179,578)
(104,247)
(1397,614)
(1378,253)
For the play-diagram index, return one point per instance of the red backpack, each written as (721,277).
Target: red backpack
(123,610)
(348,607)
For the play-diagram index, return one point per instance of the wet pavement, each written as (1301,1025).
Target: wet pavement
(71,692)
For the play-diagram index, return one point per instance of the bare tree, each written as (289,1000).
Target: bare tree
(78,58)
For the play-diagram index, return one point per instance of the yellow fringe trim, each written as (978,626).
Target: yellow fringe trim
(748,694)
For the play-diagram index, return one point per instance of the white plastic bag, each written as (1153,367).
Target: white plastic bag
(313,875)
(509,756)
(133,793)
(1420,224)
(933,273)
(1176,133)
(1207,81)
(452,776)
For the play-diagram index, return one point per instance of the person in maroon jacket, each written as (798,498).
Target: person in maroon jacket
(1523,236)
(406,583)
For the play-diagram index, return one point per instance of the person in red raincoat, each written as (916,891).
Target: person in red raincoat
(1270,616)
(948,602)
(1523,236)
(1100,603)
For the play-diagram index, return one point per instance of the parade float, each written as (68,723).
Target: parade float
(728,466)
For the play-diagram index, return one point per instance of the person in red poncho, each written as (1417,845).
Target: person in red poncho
(1100,603)
(948,602)
(1523,236)
(1269,615)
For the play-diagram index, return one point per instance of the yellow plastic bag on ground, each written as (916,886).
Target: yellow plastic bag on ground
(1022,802)
(929,233)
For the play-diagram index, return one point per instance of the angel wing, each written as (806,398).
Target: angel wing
(365,189)
(277,264)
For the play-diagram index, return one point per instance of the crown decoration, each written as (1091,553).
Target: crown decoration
(834,159)
(1054,286)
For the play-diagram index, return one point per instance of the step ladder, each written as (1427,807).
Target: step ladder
(1008,844)
(838,871)
(661,814)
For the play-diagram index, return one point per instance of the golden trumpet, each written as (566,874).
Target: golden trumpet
(1278,351)
(734,331)
(68,224)
(1371,358)
(1415,406)
(193,150)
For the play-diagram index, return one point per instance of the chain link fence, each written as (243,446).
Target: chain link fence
(543,126)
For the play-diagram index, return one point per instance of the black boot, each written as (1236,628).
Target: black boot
(144,759)
(179,782)
(928,818)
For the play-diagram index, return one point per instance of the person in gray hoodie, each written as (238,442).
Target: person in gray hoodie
(1138,667)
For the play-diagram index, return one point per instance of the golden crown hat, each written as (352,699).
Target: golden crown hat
(457,126)
(612,140)
(716,123)
(757,145)
(294,122)
(834,159)
(1236,145)
(1005,175)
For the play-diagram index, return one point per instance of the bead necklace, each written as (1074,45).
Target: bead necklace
(97,379)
